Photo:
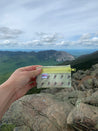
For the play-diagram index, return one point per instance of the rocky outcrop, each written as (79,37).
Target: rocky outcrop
(85,80)
(39,112)
(57,109)
(85,114)
(63,56)
(84,117)
(21,128)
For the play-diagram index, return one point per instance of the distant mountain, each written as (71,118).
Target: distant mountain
(58,56)
(84,61)
(9,61)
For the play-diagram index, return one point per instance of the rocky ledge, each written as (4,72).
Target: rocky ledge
(74,109)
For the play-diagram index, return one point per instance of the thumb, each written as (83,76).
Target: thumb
(35,73)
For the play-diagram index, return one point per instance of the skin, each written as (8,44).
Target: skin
(17,86)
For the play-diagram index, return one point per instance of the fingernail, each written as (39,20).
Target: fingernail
(39,69)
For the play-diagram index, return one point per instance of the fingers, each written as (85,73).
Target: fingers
(30,68)
(35,73)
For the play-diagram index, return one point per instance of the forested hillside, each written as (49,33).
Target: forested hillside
(9,61)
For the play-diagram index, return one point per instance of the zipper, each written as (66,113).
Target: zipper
(59,69)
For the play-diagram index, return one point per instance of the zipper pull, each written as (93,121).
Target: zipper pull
(73,69)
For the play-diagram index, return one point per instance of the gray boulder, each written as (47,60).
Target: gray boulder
(22,128)
(85,115)
(39,112)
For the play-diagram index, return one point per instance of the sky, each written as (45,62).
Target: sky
(48,24)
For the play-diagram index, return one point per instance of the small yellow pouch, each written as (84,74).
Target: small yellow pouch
(55,77)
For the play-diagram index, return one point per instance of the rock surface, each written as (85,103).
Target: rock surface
(69,109)
(21,128)
(39,112)
(84,117)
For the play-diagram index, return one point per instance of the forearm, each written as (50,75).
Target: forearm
(17,86)
(6,97)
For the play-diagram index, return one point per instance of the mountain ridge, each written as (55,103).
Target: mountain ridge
(9,61)
(84,61)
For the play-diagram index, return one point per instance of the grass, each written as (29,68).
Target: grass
(7,127)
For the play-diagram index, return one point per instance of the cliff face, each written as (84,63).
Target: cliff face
(84,62)
(63,56)
(58,109)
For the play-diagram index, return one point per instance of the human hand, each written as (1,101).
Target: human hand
(21,80)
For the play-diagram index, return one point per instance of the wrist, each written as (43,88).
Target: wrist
(8,91)
(6,97)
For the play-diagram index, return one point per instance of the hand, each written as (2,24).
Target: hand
(17,85)
(21,80)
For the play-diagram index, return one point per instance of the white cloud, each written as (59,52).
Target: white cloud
(95,39)
(6,42)
(88,42)
(67,18)
(52,41)
(64,43)
(85,36)
(49,38)
(8,33)
(96,34)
